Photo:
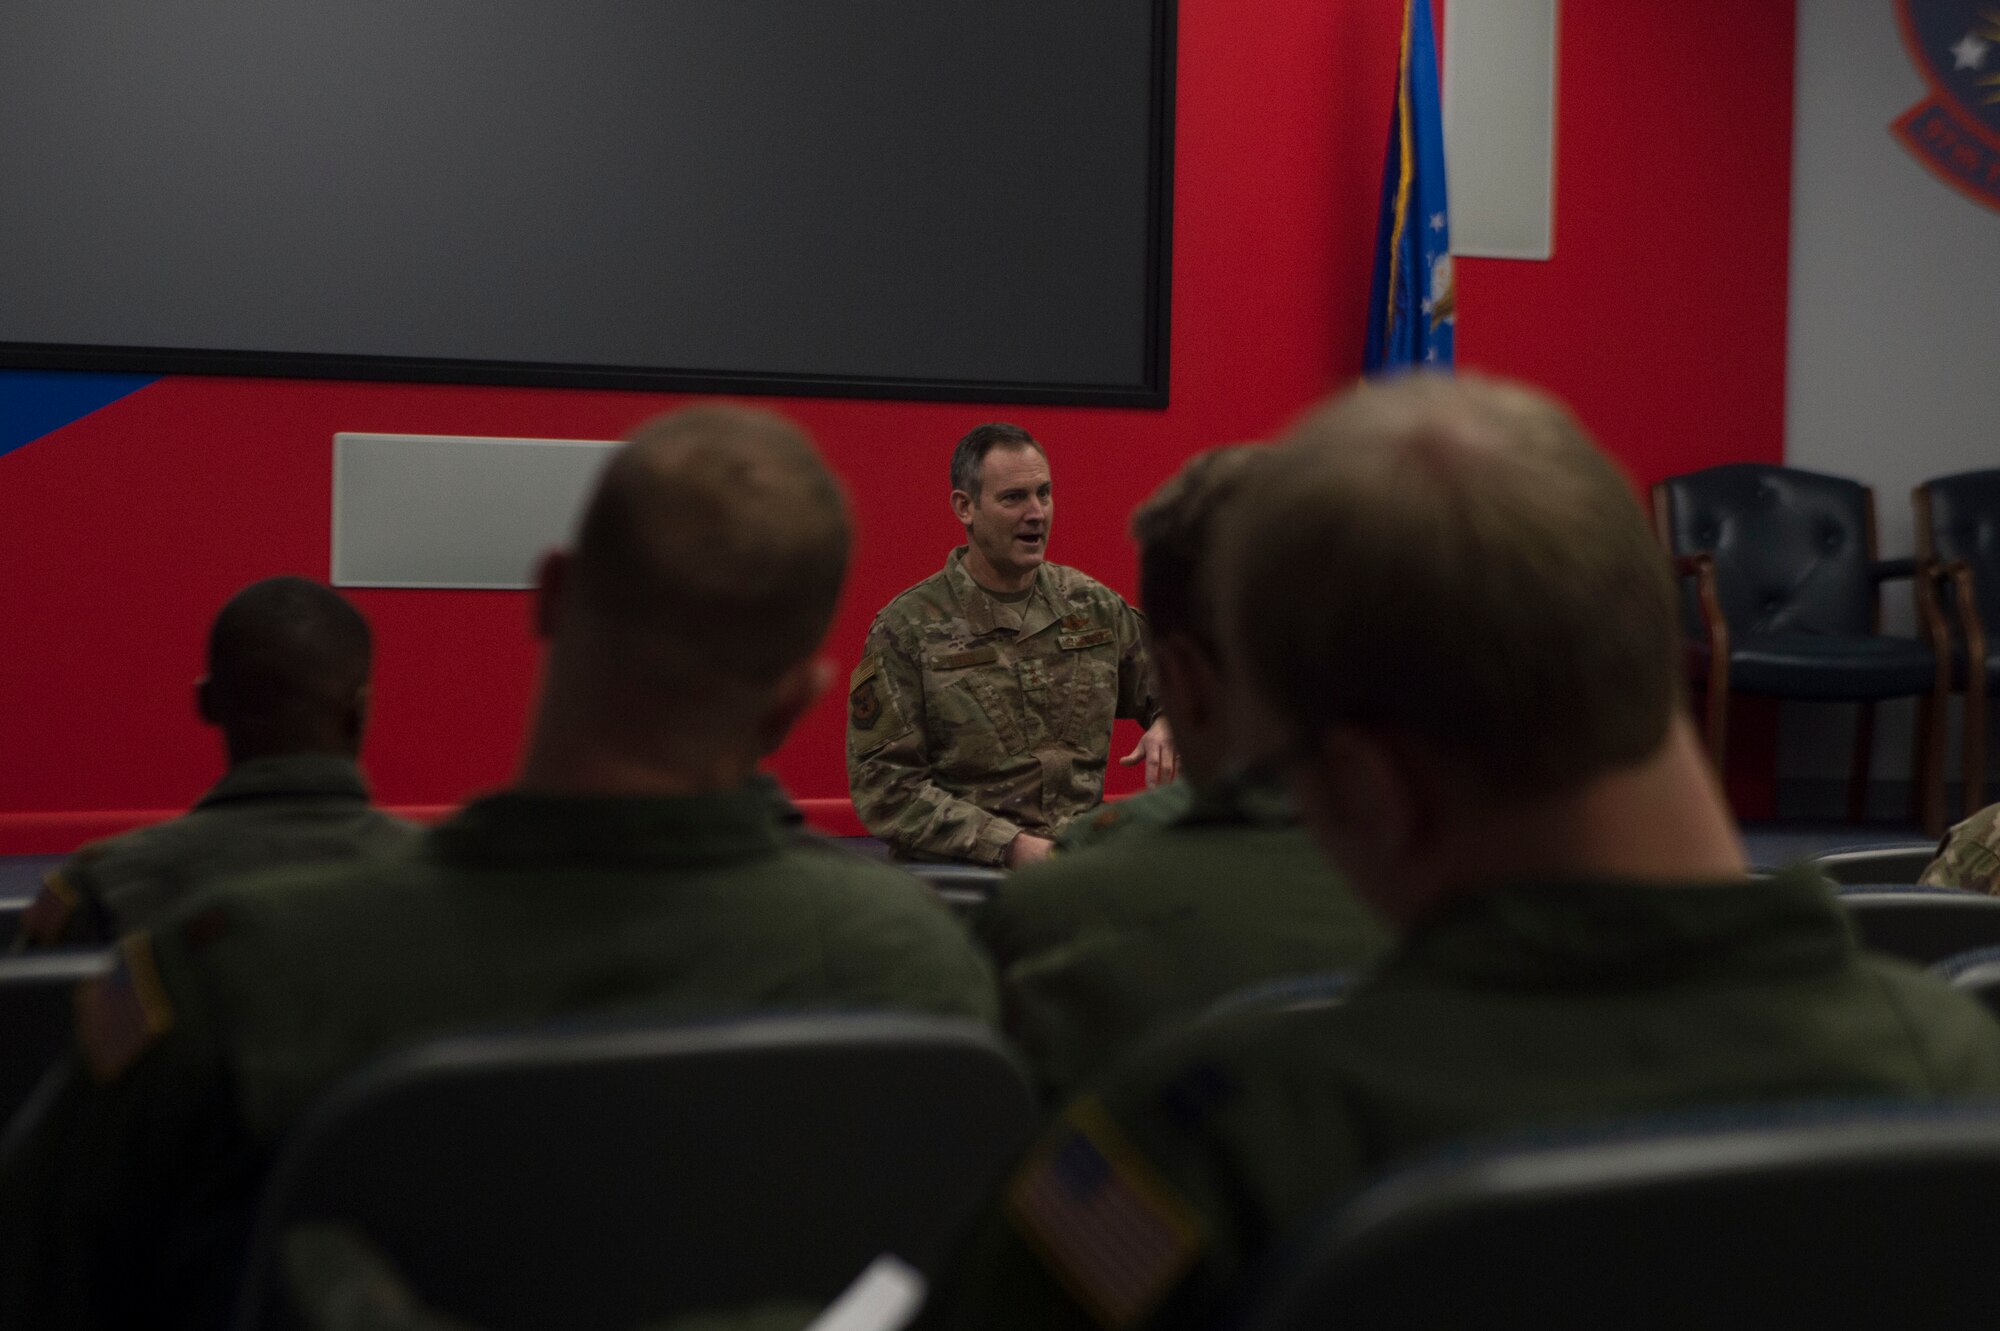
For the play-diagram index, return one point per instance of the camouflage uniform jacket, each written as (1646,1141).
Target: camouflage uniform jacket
(125,1203)
(296,809)
(970,721)
(1970,855)
(1546,1005)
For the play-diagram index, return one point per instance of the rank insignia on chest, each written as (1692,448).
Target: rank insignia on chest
(1034,676)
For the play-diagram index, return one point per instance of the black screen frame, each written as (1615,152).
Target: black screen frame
(1152,392)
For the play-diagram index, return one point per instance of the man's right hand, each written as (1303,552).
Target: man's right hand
(1026,848)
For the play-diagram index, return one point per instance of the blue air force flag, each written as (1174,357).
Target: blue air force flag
(1414,305)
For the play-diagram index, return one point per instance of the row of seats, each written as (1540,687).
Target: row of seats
(1783,599)
(505,1175)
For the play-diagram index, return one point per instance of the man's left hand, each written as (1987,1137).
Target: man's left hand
(1156,746)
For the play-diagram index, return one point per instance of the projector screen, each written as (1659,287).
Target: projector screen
(899,198)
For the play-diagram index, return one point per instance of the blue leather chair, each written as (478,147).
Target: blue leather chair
(1831,1217)
(1958,530)
(620,1173)
(1783,599)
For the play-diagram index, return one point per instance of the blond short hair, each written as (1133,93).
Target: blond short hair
(1455,559)
(715,545)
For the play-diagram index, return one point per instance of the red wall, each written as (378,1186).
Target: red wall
(1662,312)
(1662,317)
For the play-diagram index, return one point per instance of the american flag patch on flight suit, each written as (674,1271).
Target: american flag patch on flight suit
(1107,1226)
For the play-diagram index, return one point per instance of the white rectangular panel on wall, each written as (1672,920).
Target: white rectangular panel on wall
(449,511)
(1499,82)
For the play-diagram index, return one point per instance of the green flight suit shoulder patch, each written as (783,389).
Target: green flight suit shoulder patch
(1109,1228)
(43,922)
(120,1014)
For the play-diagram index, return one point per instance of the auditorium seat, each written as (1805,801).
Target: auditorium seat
(611,1175)
(1288,993)
(1977,972)
(11,909)
(1922,924)
(1877,864)
(963,887)
(35,1016)
(1830,1217)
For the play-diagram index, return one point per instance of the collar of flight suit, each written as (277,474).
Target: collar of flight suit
(1549,934)
(290,776)
(1037,612)
(516,829)
(1255,799)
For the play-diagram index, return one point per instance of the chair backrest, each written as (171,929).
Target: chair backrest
(610,1176)
(1958,517)
(1977,972)
(1865,1217)
(1288,993)
(11,910)
(1792,548)
(36,1024)
(1923,925)
(1877,864)
(963,887)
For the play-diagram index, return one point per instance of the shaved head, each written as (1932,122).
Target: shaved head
(1455,560)
(713,550)
(288,666)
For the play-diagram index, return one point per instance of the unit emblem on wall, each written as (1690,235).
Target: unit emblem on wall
(1956,130)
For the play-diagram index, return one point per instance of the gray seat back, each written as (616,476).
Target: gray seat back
(1877,864)
(36,1022)
(1874,1217)
(616,1176)
(1923,925)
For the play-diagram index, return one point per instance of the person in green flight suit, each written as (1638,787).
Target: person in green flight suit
(1102,946)
(1477,700)
(636,867)
(979,719)
(287,685)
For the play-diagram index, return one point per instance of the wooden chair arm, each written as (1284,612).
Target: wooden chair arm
(1701,567)
(1966,596)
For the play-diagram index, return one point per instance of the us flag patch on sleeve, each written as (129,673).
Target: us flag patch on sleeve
(1108,1227)
(120,1013)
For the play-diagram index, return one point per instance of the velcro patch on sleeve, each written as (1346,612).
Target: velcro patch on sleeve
(122,1012)
(1115,1234)
(43,922)
(864,697)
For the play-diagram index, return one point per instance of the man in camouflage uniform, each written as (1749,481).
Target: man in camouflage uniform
(1166,915)
(979,719)
(636,867)
(1970,855)
(1478,707)
(287,685)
